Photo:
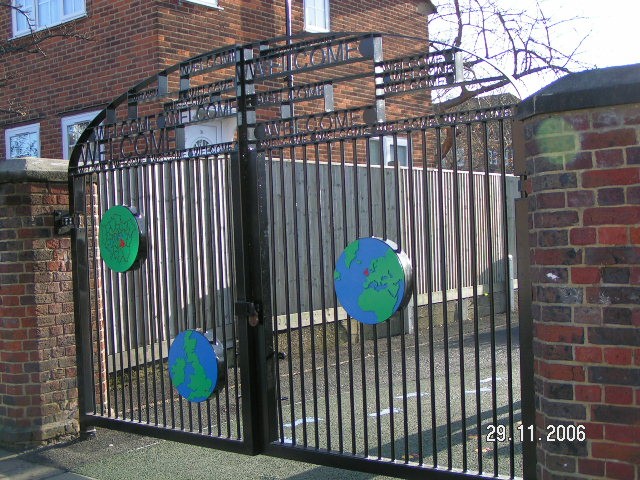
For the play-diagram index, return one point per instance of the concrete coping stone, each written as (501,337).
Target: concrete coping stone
(603,87)
(33,169)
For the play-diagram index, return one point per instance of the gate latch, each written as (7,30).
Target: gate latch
(63,222)
(250,310)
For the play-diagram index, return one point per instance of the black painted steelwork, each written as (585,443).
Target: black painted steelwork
(243,235)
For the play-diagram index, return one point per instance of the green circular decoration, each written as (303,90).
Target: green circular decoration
(120,238)
(373,279)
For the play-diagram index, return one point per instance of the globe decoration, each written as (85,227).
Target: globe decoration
(193,366)
(373,279)
(121,240)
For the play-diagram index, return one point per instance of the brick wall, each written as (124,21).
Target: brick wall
(129,41)
(38,396)
(583,168)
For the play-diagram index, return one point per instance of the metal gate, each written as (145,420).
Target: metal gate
(239,239)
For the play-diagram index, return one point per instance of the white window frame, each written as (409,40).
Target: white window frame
(33,23)
(69,121)
(207,3)
(388,144)
(33,128)
(314,27)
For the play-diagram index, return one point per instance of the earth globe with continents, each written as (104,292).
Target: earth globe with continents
(372,279)
(193,366)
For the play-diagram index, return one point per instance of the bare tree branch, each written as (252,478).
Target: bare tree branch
(32,43)
(520,40)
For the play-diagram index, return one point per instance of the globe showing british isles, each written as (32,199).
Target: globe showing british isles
(372,279)
(193,366)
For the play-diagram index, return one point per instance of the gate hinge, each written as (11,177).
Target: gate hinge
(64,222)
(249,310)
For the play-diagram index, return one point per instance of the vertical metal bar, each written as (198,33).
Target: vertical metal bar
(487,205)
(287,302)
(217,187)
(272,236)
(192,255)
(403,346)
(82,308)
(157,299)
(363,364)
(102,369)
(413,207)
(209,280)
(147,173)
(336,323)
(143,289)
(312,335)
(298,260)
(100,188)
(525,318)
(138,303)
(120,315)
(323,294)
(429,271)
(173,279)
(507,293)
(176,260)
(252,266)
(375,327)
(109,302)
(443,277)
(128,301)
(226,197)
(458,261)
(474,279)
(356,206)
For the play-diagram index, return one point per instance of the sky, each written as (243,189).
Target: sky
(613,27)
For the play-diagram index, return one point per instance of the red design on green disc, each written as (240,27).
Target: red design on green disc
(120,238)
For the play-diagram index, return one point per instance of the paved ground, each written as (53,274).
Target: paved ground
(115,455)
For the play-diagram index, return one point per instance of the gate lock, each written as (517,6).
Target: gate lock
(250,310)
(63,222)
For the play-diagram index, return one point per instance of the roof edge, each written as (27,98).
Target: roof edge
(602,87)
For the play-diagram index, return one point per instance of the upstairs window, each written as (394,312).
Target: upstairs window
(39,14)
(208,3)
(72,128)
(316,15)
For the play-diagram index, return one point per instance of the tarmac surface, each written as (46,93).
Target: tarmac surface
(113,455)
(116,455)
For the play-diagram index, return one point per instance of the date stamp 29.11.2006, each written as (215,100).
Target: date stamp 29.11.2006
(528,433)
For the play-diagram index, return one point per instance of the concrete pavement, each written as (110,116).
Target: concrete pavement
(113,455)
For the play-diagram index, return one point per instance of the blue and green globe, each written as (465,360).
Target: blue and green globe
(193,366)
(372,279)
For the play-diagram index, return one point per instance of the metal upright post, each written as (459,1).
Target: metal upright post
(253,296)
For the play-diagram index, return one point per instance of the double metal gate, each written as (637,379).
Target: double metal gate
(240,238)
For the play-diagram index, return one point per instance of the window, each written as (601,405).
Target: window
(389,151)
(23,141)
(316,15)
(212,132)
(44,13)
(208,3)
(72,128)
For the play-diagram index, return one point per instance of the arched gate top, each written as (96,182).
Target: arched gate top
(284,91)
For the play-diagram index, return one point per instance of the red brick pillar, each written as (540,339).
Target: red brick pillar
(38,395)
(582,137)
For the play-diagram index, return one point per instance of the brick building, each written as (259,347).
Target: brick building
(49,98)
